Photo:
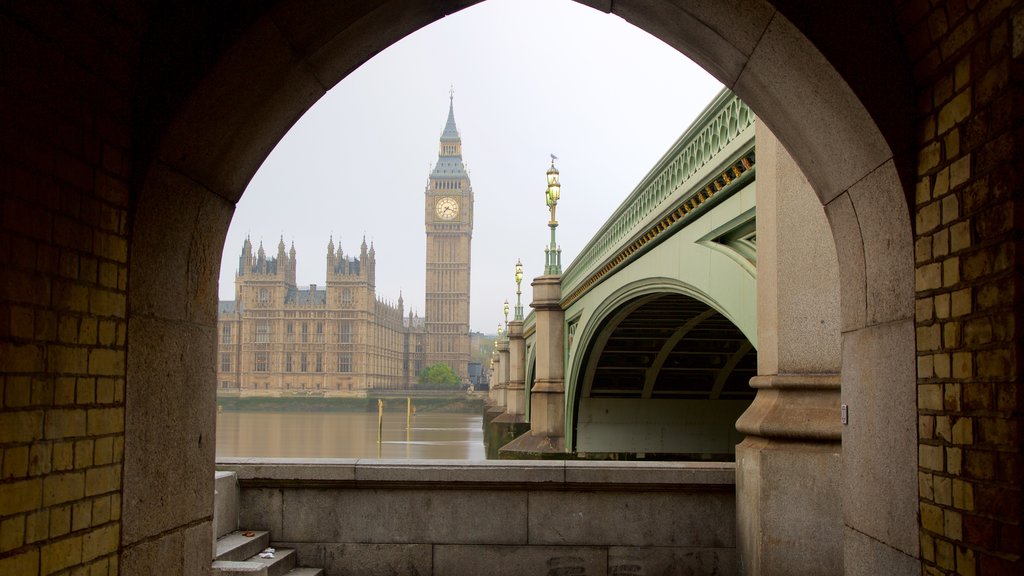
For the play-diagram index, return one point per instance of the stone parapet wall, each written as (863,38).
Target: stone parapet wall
(431,517)
(968,350)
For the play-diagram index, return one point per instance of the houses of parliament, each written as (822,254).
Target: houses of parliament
(277,336)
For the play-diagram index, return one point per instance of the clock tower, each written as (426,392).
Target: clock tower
(448,218)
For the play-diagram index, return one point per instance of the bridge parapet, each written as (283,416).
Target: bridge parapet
(707,160)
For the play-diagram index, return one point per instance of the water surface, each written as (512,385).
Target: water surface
(433,435)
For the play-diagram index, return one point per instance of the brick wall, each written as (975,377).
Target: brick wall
(65,102)
(966,59)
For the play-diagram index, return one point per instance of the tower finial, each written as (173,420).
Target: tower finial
(451,93)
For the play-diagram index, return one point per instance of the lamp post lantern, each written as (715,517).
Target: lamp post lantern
(552,254)
(519,280)
(506,318)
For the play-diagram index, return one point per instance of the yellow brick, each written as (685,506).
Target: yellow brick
(930,457)
(960,171)
(929,396)
(952,142)
(20,426)
(106,362)
(962,365)
(925,369)
(929,337)
(113,566)
(81,515)
(950,209)
(18,392)
(68,359)
(37,526)
(15,462)
(931,518)
(39,460)
(961,302)
(953,525)
(12,533)
(61,554)
(20,496)
(118,449)
(59,488)
(65,423)
(954,457)
(107,333)
(83,453)
(951,396)
(87,331)
(101,510)
(942,305)
(102,480)
(942,428)
(922,193)
(98,568)
(940,362)
(955,111)
(106,421)
(944,554)
(943,491)
(23,564)
(100,542)
(63,456)
(64,391)
(950,271)
(941,187)
(104,390)
(927,218)
(929,158)
(960,236)
(60,521)
(115,507)
(925,485)
(85,391)
(963,495)
(963,431)
(966,564)
(940,243)
(927,547)
(104,451)
(951,334)
(926,427)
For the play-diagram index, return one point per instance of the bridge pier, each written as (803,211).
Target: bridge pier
(547,397)
(789,516)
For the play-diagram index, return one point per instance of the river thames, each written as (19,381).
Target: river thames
(431,435)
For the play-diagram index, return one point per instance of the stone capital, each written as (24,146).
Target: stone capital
(794,407)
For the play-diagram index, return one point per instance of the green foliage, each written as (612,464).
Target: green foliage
(439,376)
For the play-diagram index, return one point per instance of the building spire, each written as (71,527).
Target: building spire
(451,132)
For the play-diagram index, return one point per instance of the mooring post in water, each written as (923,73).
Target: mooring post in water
(380,422)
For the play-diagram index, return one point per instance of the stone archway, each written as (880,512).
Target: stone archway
(833,109)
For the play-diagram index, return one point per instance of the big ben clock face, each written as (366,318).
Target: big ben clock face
(447,208)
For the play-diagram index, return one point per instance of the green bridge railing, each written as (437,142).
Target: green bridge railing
(708,157)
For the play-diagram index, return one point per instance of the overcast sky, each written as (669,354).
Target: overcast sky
(531,78)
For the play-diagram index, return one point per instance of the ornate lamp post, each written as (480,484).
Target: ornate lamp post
(506,318)
(519,280)
(552,254)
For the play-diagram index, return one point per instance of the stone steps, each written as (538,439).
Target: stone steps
(236,552)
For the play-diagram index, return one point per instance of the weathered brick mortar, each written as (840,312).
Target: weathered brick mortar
(64,211)
(966,331)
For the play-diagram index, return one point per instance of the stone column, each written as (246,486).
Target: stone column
(503,374)
(547,397)
(515,397)
(788,504)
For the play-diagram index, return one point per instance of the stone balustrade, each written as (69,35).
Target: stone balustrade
(507,517)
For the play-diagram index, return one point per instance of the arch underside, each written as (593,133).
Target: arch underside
(666,376)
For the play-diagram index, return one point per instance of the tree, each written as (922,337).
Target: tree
(440,376)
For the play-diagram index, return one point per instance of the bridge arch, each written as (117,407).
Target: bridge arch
(211,126)
(681,311)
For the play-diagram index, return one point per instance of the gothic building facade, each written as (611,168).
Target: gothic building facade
(276,336)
